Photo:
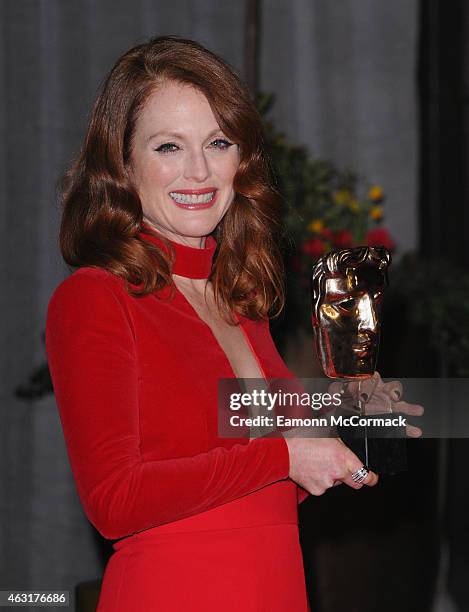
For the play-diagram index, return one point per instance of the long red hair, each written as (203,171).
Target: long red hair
(102,212)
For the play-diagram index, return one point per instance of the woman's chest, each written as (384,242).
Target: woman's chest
(231,338)
(180,363)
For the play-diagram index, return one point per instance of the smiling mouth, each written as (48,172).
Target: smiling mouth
(194,200)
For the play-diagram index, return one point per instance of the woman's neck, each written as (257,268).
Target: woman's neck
(195,242)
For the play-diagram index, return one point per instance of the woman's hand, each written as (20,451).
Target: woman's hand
(378,397)
(317,464)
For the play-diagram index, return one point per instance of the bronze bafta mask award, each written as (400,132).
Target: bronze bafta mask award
(347,292)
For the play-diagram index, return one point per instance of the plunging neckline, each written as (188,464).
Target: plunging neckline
(243,331)
(196,263)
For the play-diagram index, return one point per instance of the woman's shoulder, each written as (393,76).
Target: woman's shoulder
(90,303)
(89,285)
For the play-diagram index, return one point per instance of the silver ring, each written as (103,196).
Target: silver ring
(359,476)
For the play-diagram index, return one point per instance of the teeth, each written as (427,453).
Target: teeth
(183,198)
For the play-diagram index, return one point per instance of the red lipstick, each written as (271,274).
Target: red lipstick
(194,191)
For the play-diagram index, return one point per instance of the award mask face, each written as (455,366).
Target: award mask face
(347,288)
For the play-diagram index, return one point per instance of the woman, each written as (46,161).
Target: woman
(172,223)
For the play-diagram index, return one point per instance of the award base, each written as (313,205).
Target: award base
(382,449)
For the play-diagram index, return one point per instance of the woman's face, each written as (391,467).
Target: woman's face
(182,164)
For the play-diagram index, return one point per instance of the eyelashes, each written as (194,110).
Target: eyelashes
(223,144)
(170,147)
(167,147)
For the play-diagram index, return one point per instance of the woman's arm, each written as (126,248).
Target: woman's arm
(91,353)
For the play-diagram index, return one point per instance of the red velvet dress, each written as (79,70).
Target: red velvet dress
(202,523)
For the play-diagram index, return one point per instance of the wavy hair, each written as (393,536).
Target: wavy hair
(102,213)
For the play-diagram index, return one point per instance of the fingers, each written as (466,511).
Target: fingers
(393,389)
(367,387)
(413,432)
(375,386)
(351,483)
(406,408)
(353,465)
(330,464)
(335,387)
(380,397)
(413,410)
(370,480)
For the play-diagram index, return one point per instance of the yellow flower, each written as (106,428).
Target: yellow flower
(354,205)
(341,196)
(316,226)
(376,212)
(375,193)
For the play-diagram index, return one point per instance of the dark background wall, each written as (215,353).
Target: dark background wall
(444,229)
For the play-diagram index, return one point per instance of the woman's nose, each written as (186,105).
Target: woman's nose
(196,167)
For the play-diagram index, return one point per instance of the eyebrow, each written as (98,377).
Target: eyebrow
(179,135)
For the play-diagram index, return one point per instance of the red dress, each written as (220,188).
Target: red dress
(202,523)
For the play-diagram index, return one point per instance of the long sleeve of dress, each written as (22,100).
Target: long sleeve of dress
(90,342)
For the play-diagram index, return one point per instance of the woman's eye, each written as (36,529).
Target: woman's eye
(221,143)
(167,147)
